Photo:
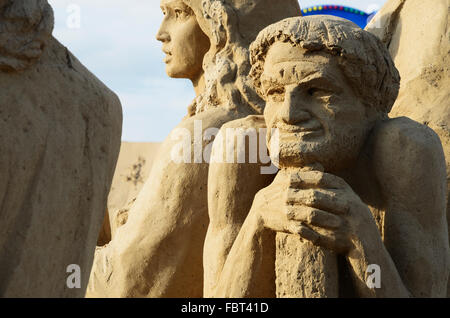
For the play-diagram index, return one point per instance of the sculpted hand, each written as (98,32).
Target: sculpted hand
(320,207)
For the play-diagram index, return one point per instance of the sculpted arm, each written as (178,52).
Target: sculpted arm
(249,268)
(412,252)
(231,190)
(410,167)
(158,252)
(150,248)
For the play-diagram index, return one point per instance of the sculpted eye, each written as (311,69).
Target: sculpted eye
(276,94)
(180,13)
(314,91)
(322,95)
(319,92)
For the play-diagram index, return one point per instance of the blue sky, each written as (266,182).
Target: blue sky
(115,40)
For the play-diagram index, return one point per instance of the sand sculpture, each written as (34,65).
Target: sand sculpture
(417,34)
(158,251)
(355,187)
(60,133)
(133,167)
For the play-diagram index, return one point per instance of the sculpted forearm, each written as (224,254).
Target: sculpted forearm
(229,202)
(371,251)
(410,164)
(418,252)
(248,267)
(228,207)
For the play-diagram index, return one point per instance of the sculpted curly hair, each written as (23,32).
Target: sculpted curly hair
(363,58)
(227,63)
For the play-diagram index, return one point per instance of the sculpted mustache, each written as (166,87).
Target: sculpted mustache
(304,126)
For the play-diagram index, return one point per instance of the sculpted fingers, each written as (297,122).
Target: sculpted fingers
(325,200)
(316,179)
(335,241)
(303,231)
(293,227)
(313,216)
(331,240)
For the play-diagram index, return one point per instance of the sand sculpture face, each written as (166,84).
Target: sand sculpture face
(318,116)
(326,83)
(23,33)
(184,43)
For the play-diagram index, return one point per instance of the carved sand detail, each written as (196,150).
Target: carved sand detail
(60,133)
(361,188)
(158,252)
(417,34)
(25,28)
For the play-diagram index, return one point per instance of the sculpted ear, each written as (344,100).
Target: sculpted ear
(26,27)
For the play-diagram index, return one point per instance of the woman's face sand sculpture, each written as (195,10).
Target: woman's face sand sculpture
(184,43)
(207,41)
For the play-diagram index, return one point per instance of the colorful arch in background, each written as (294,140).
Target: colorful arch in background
(359,17)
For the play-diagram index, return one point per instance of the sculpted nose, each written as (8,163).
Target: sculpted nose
(163,37)
(162,34)
(292,111)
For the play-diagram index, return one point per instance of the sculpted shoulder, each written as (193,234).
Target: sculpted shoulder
(409,162)
(251,121)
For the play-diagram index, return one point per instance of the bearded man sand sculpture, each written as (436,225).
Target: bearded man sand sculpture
(369,188)
(60,133)
(158,252)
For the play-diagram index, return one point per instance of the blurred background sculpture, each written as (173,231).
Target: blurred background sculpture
(60,131)
(25,29)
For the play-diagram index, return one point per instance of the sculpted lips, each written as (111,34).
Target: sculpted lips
(304,130)
(312,125)
(168,55)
